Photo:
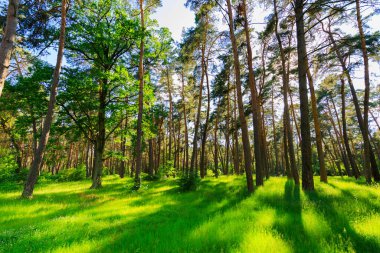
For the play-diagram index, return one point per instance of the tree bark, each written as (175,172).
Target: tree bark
(8,41)
(243,121)
(288,131)
(38,156)
(317,127)
(365,134)
(256,108)
(367,145)
(203,167)
(307,170)
(138,153)
(351,157)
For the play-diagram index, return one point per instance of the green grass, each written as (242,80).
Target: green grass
(342,216)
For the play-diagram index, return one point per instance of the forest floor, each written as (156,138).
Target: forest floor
(341,216)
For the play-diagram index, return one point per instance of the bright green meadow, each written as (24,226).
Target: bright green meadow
(341,216)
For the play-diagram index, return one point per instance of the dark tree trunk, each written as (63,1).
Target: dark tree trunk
(307,169)
(203,167)
(138,152)
(290,166)
(38,156)
(256,108)
(351,157)
(317,127)
(243,121)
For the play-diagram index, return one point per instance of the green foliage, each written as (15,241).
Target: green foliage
(7,168)
(167,169)
(189,182)
(65,175)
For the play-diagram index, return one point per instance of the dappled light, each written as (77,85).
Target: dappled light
(217,217)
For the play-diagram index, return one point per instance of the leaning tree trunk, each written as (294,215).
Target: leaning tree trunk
(367,145)
(288,132)
(8,41)
(307,170)
(317,127)
(243,121)
(351,158)
(355,99)
(256,108)
(38,156)
(141,104)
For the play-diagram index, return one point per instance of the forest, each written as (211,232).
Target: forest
(257,131)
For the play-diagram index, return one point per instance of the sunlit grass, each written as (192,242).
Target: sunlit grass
(342,216)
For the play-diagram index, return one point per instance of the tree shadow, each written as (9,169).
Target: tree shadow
(150,230)
(288,221)
(340,224)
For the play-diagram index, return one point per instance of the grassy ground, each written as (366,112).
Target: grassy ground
(342,216)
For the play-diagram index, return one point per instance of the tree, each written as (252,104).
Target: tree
(307,170)
(8,40)
(33,173)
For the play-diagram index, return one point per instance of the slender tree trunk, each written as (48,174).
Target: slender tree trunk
(317,127)
(8,41)
(256,108)
(203,167)
(216,169)
(367,145)
(225,168)
(307,169)
(339,142)
(186,148)
(170,123)
(288,131)
(38,156)
(194,155)
(141,103)
(365,134)
(351,157)
(243,121)
(235,140)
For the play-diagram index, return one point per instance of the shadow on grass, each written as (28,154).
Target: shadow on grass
(288,220)
(337,218)
(160,229)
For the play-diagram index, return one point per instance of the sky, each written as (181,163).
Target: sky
(174,15)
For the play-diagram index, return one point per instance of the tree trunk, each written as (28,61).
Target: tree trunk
(138,153)
(216,169)
(38,156)
(288,131)
(194,155)
(317,127)
(235,140)
(243,121)
(351,157)
(307,169)
(9,38)
(226,167)
(365,134)
(203,167)
(367,145)
(256,108)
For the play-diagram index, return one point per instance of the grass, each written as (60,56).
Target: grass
(341,216)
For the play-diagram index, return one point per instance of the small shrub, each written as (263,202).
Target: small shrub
(154,177)
(189,182)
